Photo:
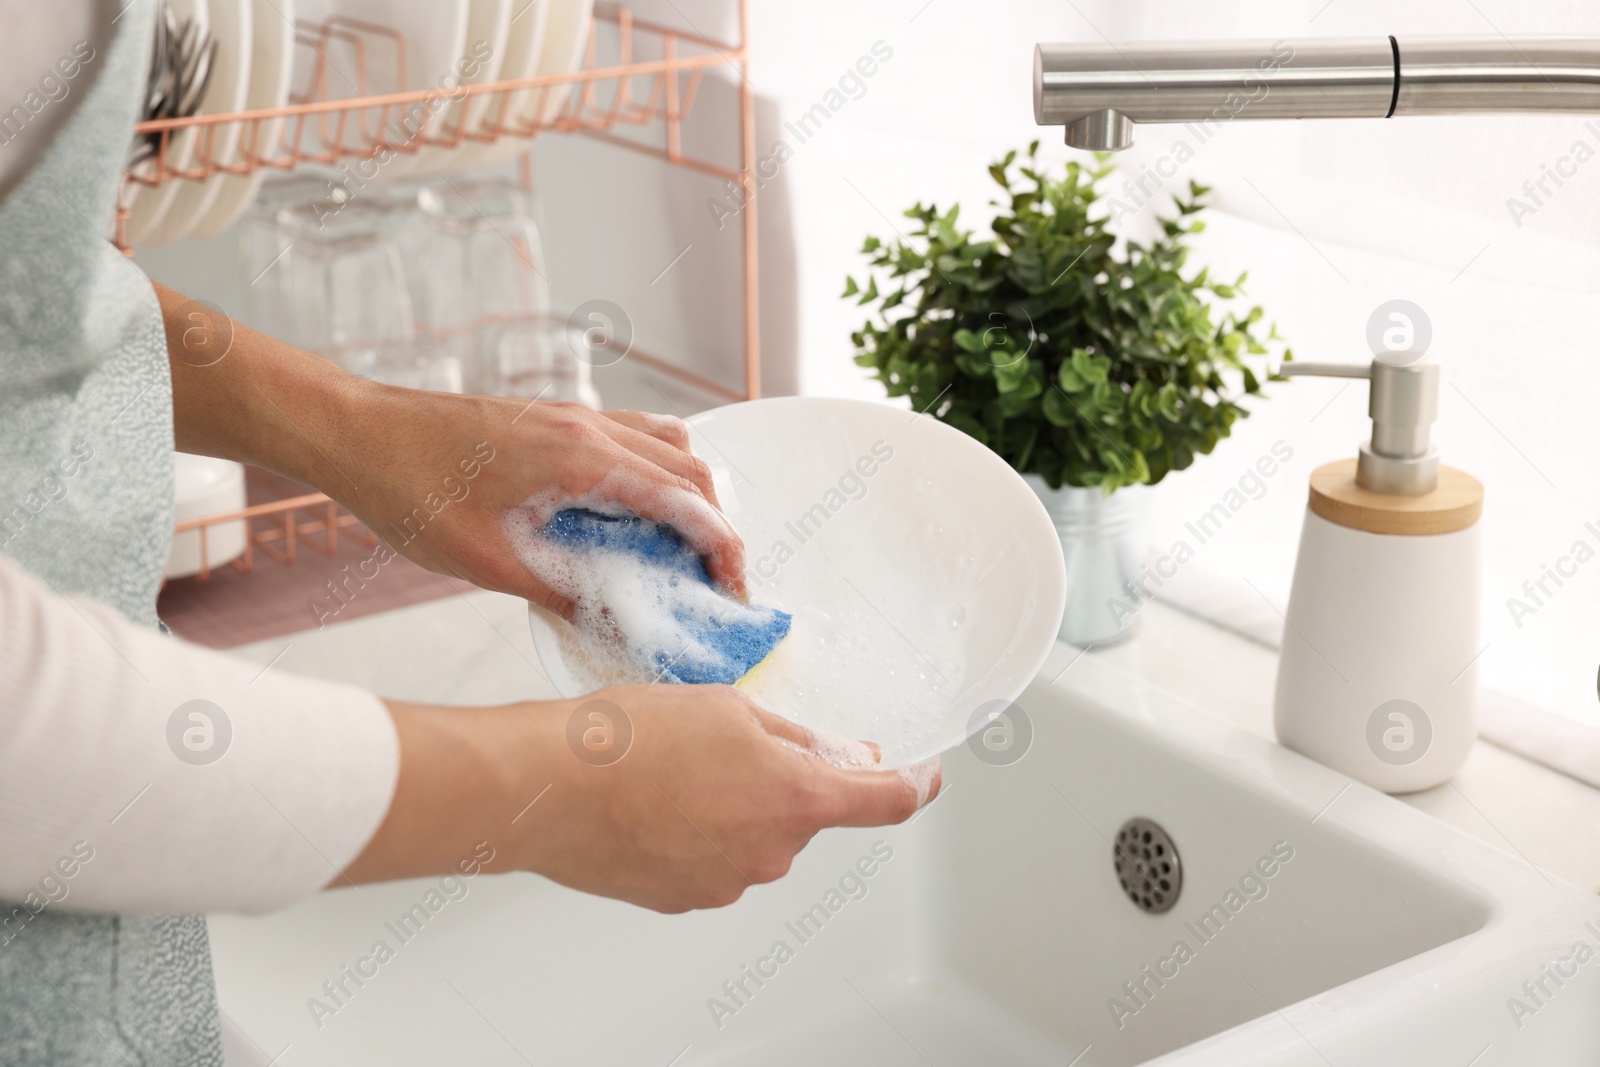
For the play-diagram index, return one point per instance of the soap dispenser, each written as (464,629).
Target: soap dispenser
(1378,674)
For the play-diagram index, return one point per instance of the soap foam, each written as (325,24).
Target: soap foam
(840,751)
(919,776)
(850,755)
(621,492)
(635,619)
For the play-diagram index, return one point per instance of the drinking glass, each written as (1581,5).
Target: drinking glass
(534,358)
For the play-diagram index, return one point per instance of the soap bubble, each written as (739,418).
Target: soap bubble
(199,732)
(599,732)
(999,733)
(1399,732)
(1399,332)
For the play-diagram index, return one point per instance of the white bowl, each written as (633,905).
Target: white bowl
(925,579)
(202,487)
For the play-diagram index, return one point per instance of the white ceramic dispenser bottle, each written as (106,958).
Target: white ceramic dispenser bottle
(1378,676)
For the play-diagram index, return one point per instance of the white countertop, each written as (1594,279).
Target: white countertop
(475,649)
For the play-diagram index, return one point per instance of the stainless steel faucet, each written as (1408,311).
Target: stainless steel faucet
(1098,92)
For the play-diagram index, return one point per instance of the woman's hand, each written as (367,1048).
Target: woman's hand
(671,797)
(435,474)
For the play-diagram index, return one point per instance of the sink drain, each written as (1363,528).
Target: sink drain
(1147,865)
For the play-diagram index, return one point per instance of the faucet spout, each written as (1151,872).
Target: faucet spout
(1099,93)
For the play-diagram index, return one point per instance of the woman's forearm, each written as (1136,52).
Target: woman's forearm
(433,474)
(465,775)
(669,796)
(239,394)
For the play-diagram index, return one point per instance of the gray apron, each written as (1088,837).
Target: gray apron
(83,371)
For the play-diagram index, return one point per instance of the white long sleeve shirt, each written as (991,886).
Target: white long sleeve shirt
(106,773)
(89,781)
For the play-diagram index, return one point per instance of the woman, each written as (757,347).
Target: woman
(110,842)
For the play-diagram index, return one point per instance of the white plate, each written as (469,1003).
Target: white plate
(924,576)
(488,24)
(566,32)
(435,35)
(228,91)
(271,65)
(524,44)
(152,203)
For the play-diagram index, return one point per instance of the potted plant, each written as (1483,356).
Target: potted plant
(1090,363)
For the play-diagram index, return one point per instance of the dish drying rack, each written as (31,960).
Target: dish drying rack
(316,127)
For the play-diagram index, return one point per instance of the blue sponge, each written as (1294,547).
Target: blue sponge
(689,634)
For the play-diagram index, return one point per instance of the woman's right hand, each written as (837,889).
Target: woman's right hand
(671,797)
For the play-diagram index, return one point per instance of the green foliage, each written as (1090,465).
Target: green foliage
(1086,361)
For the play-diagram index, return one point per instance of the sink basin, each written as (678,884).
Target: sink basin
(1323,923)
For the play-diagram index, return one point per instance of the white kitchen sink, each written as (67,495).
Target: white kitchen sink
(996,933)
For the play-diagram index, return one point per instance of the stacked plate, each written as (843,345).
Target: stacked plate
(475,42)
(546,37)
(250,70)
(447,43)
